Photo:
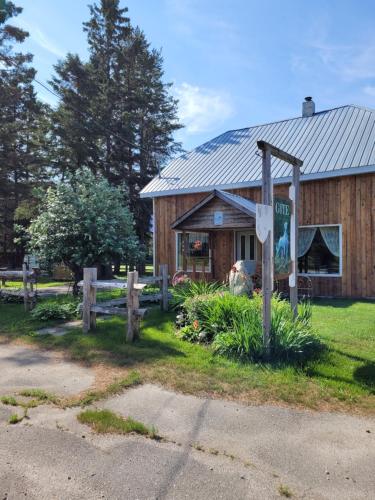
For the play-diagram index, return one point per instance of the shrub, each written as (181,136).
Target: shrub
(234,325)
(216,312)
(292,339)
(187,288)
(12,298)
(44,311)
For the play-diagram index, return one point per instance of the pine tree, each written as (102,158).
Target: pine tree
(22,163)
(117,115)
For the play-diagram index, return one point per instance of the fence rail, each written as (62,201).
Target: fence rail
(28,280)
(134,287)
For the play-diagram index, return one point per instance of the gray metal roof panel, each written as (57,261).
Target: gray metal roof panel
(337,139)
(248,205)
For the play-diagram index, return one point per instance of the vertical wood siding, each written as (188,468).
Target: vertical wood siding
(349,201)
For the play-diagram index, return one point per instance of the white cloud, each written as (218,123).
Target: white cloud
(351,62)
(369,90)
(202,109)
(41,39)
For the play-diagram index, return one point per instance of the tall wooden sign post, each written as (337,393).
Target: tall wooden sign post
(266,233)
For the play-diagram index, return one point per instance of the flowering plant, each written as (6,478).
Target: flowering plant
(197,245)
(180,279)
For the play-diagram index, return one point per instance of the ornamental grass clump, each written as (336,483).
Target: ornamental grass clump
(233,324)
(207,315)
(184,288)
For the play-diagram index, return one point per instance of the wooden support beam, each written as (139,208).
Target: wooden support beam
(293,280)
(25,290)
(133,304)
(267,263)
(17,293)
(5,275)
(163,269)
(150,280)
(140,313)
(108,310)
(122,285)
(113,302)
(117,311)
(89,298)
(150,297)
(278,153)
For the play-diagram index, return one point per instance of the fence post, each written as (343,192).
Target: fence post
(163,271)
(132,303)
(89,298)
(25,290)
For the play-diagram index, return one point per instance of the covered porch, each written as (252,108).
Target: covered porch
(215,233)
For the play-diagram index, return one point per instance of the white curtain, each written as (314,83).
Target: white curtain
(305,238)
(331,237)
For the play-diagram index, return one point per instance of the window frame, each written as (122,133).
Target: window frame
(325,275)
(251,232)
(190,270)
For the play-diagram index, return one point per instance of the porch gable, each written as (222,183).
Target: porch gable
(219,210)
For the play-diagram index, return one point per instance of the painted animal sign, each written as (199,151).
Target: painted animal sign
(282,237)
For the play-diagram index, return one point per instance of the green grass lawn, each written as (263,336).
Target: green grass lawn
(343,379)
(43,282)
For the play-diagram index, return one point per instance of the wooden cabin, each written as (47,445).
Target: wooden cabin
(204,201)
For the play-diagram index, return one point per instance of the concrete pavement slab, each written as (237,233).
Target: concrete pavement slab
(333,455)
(24,367)
(52,464)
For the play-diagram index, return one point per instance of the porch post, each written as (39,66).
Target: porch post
(293,279)
(184,251)
(267,282)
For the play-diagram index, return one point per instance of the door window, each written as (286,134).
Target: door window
(245,246)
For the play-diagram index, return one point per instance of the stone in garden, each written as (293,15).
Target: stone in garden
(240,278)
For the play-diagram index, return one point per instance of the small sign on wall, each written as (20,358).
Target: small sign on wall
(218,218)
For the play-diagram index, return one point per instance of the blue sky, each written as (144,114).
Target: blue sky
(233,63)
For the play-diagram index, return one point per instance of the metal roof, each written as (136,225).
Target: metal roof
(335,142)
(247,206)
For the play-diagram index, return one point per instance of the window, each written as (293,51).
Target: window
(319,250)
(245,246)
(197,251)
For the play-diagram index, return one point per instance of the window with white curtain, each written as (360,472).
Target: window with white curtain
(319,250)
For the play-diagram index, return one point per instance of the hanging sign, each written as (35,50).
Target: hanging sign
(282,237)
(293,274)
(263,221)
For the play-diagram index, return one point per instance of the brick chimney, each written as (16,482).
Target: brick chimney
(308,107)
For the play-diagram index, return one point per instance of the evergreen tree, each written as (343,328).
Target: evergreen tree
(117,116)
(22,162)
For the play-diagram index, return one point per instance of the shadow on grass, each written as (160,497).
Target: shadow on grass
(362,375)
(107,343)
(352,356)
(340,303)
(365,375)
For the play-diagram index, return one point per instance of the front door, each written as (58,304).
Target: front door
(246,245)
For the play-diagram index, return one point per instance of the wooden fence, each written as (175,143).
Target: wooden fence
(134,287)
(28,280)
